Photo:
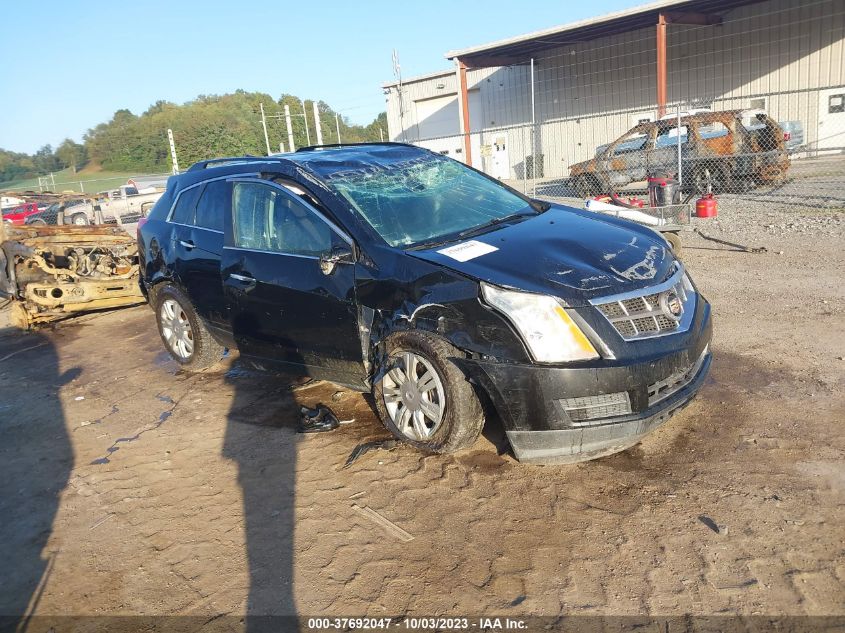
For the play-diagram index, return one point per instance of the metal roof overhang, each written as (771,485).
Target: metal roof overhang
(518,50)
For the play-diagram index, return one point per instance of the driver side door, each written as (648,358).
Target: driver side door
(287,307)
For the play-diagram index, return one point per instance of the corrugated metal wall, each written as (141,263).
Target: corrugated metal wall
(588,94)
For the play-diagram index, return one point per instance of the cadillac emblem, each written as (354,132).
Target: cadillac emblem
(672,305)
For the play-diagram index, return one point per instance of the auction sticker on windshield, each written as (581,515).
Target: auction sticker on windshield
(467,251)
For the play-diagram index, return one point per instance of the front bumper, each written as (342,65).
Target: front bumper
(561,446)
(619,402)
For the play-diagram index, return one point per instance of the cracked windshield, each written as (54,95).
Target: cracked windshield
(424,199)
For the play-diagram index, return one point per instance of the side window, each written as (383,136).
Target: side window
(713,130)
(211,208)
(266,218)
(669,136)
(183,213)
(631,142)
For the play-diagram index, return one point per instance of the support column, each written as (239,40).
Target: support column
(463,102)
(661,65)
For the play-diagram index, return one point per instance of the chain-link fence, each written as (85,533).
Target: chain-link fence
(118,200)
(755,112)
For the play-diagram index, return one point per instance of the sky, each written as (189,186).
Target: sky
(75,63)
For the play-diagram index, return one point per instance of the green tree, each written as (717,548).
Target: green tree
(71,154)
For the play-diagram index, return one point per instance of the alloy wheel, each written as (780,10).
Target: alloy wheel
(414,396)
(176,329)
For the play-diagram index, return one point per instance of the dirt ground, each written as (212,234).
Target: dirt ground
(129,487)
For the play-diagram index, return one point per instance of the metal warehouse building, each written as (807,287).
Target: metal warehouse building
(530,106)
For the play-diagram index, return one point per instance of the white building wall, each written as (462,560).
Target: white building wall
(588,94)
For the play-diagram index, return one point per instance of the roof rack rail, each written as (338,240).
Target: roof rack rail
(247,158)
(329,145)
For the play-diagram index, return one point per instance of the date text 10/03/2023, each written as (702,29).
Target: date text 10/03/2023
(422,623)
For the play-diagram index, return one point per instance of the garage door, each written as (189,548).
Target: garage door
(437,117)
(438,124)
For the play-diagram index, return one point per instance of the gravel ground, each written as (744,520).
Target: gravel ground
(129,487)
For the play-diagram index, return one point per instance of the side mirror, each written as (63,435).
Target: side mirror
(330,259)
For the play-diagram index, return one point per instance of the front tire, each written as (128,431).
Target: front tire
(79,219)
(423,398)
(183,331)
(583,186)
(674,241)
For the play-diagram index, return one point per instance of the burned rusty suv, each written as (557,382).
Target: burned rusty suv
(390,268)
(717,150)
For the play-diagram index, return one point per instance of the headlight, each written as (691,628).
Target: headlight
(549,332)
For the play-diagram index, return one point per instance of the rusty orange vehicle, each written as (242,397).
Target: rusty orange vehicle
(717,150)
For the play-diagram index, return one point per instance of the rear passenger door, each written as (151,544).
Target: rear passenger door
(198,218)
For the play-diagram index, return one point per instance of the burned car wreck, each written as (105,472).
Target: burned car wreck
(392,269)
(52,272)
(717,151)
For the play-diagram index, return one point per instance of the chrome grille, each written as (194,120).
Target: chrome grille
(646,314)
(662,389)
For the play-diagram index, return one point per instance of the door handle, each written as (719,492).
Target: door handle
(243,278)
(187,244)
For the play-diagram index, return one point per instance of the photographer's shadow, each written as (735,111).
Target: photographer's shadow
(261,437)
(36,460)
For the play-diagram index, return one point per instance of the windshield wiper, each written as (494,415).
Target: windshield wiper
(451,237)
(494,222)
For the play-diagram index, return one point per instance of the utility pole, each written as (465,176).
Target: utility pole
(305,118)
(337,126)
(381,134)
(264,125)
(173,151)
(290,129)
(397,72)
(281,147)
(317,124)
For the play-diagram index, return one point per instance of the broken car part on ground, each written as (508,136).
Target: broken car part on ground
(51,272)
(392,269)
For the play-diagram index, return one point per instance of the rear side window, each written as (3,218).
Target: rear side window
(183,212)
(212,205)
(269,219)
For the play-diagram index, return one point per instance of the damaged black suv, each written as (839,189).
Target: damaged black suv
(392,269)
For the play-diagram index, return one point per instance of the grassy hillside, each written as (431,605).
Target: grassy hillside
(92,179)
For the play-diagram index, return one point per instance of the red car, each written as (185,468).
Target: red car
(19,214)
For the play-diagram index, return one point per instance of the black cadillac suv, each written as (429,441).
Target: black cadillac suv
(392,269)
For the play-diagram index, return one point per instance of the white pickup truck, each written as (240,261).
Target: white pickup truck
(127,202)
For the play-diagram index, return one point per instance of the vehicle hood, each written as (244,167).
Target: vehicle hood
(566,252)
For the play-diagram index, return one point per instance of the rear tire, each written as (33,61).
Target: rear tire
(183,331)
(409,408)
(79,219)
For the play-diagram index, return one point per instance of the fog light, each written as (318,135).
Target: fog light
(582,411)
